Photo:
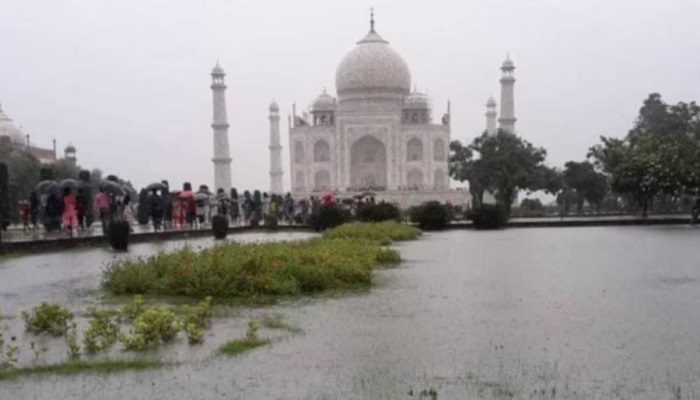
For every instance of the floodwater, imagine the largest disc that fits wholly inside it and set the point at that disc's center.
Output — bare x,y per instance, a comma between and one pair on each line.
560,313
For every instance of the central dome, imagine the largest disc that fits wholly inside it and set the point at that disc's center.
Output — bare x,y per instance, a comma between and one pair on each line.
372,67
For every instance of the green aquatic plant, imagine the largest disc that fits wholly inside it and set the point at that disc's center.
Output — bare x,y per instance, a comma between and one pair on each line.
72,367
249,271
383,233
103,331
50,318
154,326
250,341
8,352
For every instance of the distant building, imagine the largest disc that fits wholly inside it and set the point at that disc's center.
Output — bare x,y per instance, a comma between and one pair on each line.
20,138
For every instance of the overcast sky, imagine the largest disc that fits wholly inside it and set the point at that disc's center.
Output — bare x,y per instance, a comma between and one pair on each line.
127,82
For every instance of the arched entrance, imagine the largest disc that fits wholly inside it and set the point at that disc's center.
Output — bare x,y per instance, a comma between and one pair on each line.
368,166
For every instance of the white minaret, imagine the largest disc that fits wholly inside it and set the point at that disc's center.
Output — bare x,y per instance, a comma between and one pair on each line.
276,186
507,120
222,156
491,114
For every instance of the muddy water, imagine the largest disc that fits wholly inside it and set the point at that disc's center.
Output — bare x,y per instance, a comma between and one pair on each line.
575,313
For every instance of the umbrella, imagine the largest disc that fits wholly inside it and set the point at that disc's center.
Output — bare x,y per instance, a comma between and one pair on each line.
112,188
369,194
45,186
156,186
71,183
201,196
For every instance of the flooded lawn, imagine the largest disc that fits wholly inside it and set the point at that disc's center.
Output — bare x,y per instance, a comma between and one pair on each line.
561,313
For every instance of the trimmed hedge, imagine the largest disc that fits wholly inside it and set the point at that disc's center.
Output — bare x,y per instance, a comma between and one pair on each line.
219,225
328,216
379,212
430,216
119,231
489,216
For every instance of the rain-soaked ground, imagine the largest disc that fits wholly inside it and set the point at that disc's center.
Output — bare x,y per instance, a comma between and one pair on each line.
561,313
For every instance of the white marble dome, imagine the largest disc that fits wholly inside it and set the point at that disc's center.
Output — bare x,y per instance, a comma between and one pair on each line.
416,101
373,67
324,102
10,129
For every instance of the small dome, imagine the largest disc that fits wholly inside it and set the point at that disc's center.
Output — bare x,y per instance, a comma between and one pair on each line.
70,148
373,67
218,70
491,102
324,102
508,64
274,106
10,129
416,101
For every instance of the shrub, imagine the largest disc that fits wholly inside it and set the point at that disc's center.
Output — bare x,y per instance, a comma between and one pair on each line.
379,212
383,232
488,216
153,327
102,332
249,270
51,318
328,216
219,224
118,232
430,216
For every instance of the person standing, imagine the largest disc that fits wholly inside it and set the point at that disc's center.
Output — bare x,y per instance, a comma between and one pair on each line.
69,217
26,213
128,212
102,206
34,206
156,210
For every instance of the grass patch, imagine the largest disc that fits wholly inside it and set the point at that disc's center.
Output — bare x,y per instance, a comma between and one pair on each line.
383,233
234,270
80,367
238,346
276,322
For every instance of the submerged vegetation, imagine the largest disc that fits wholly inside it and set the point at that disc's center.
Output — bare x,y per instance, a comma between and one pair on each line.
383,233
105,366
339,260
251,341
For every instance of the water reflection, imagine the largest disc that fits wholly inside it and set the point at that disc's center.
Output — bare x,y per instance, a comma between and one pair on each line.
524,313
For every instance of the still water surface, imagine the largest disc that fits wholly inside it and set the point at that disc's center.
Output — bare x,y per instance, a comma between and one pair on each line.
561,313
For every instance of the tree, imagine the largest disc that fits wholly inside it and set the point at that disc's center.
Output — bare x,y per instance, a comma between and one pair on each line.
23,167
462,167
659,155
585,184
65,169
510,164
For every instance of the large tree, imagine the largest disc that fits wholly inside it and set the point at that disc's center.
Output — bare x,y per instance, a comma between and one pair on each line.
585,184
506,164
659,155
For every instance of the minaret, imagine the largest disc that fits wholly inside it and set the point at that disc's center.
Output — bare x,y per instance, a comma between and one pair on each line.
222,157
491,114
276,186
507,120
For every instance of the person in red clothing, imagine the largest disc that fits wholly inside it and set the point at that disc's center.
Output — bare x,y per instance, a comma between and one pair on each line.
70,218
26,212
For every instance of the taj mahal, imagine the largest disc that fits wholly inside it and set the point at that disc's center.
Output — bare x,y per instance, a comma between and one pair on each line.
377,135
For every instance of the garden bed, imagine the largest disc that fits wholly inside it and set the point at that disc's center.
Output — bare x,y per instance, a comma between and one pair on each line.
344,258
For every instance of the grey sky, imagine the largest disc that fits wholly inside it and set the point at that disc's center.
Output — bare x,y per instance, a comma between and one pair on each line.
128,81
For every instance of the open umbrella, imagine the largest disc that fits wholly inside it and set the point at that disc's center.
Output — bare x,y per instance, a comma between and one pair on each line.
45,186
71,183
112,187
201,196
156,186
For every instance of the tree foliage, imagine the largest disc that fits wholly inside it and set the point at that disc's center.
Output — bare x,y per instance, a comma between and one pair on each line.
506,164
659,155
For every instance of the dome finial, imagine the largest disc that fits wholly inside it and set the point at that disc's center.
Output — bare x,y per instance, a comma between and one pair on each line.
371,19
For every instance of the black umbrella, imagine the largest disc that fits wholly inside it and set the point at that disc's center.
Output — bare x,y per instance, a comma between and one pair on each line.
71,183
112,187
45,186
156,186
